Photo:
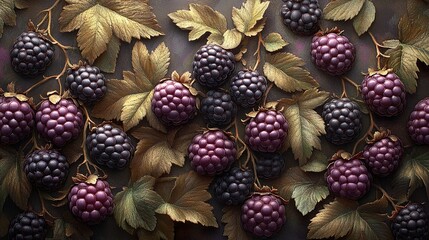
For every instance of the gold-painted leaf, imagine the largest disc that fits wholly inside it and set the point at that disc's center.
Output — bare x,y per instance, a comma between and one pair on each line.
363,21
274,42
7,12
107,61
342,9
392,43
73,151
233,227
317,163
231,39
164,229
247,17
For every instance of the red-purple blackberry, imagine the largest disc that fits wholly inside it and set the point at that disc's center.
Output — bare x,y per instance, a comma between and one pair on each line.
233,187
248,88
301,16
27,225
217,108
16,118
269,165
418,124
411,223
86,83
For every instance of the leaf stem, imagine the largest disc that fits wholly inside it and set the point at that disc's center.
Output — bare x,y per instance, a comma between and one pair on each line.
377,48
368,133
351,82
258,52
267,92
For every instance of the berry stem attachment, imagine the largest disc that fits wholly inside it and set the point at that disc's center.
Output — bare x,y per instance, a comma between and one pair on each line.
258,52
377,48
267,92
371,127
344,93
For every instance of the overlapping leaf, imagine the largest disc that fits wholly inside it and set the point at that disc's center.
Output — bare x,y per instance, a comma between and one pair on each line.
249,18
318,162
233,227
164,229
363,21
7,12
274,42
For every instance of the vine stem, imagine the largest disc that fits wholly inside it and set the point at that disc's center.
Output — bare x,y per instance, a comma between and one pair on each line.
42,205
258,52
368,133
388,197
267,92
351,82
377,48
344,93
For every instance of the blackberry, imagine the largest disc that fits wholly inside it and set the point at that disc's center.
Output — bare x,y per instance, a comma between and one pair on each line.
218,109
301,16
332,52
384,94
31,54
269,165
27,225
110,146
418,124
411,223
212,152
342,120
213,65
46,169
86,83
233,187
16,119
267,131
248,88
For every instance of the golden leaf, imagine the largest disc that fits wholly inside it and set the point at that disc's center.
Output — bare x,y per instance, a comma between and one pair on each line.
247,17
231,39
7,12
164,229
274,42
73,151
233,227
342,9
317,163
363,21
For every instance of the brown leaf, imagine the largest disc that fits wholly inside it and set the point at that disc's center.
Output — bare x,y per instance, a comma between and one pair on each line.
164,230
233,227
73,151
4,225
69,228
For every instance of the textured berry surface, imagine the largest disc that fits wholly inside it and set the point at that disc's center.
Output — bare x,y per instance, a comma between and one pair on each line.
332,53
91,203
342,120
269,165
217,108
348,178
16,120
27,225
411,223
212,152
110,146
267,131
233,187
59,123
383,156
31,54
418,124
248,88
263,215
86,83
173,104
384,95
47,169
301,16
213,65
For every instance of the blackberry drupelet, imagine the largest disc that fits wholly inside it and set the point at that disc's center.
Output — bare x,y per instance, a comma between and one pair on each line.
269,165
86,83
301,16
248,88
27,225
233,187
16,120
411,223
418,123
217,108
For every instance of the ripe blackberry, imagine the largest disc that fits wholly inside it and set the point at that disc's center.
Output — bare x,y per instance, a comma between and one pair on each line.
348,177
110,146
411,223
384,94
46,169
173,104
418,124
332,52
27,225
31,54
267,131
86,83
248,88
16,119
233,187
383,154
213,65
217,108
301,16
263,215
269,165
91,201
212,152
342,120
59,120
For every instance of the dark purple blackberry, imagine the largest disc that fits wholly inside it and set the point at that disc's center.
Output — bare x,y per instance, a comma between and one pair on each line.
332,52
348,177
263,214
110,146
212,152
269,165
217,108
383,154
46,169
267,131
86,83
301,16
384,94
213,65
342,120
31,54
411,223
248,88
16,120
233,187
27,225
173,104
418,124
91,202
59,120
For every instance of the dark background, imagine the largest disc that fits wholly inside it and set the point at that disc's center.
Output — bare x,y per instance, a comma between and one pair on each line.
384,27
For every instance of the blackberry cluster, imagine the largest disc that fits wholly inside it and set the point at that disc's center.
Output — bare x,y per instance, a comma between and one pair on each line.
47,169
411,223
342,120
28,225
233,187
110,146
248,88
16,120
213,65
86,83
218,109
301,16
418,124
31,54
269,165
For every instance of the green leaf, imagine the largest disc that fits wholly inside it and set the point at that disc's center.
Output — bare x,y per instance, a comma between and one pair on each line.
247,17
107,61
274,42
7,13
342,9
363,21
317,163
164,230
